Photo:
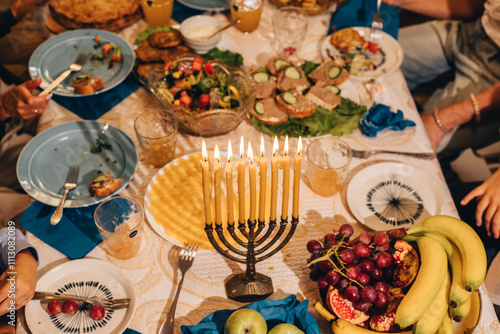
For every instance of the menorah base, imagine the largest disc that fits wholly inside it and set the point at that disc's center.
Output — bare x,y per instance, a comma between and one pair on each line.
243,289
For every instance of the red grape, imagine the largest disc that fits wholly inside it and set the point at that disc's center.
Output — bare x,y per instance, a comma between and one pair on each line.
70,307
381,300
97,312
381,239
362,250
368,294
332,277
328,237
54,307
361,306
322,284
364,278
313,246
331,243
353,272
342,284
352,293
346,230
347,255
384,260
366,265
377,273
365,238
325,266
383,248
381,286
315,275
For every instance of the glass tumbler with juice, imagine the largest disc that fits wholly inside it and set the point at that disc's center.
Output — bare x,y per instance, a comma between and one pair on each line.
157,12
248,11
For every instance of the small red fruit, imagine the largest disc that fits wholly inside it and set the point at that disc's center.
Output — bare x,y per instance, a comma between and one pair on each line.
70,307
54,307
97,312
343,308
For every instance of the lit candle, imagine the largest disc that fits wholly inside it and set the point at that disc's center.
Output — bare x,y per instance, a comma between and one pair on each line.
285,165
240,165
274,179
229,184
205,171
217,185
253,184
296,179
263,180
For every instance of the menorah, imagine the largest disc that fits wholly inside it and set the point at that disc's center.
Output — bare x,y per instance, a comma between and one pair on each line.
254,245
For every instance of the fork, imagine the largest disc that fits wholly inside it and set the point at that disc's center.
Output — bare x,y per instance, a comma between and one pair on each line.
377,25
107,303
368,153
75,67
70,183
187,255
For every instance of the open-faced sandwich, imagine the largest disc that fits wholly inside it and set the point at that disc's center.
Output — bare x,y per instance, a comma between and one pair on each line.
87,84
103,185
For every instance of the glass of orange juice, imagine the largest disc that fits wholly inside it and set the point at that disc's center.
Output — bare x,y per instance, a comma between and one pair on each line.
328,163
157,12
248,11
120,223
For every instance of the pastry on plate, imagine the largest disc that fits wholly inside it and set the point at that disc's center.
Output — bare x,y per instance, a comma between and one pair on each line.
103,185
87,84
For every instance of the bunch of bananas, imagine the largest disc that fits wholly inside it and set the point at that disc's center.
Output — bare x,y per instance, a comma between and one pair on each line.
437,296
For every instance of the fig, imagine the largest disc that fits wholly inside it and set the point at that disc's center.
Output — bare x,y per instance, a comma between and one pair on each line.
70,307
97,312
54,307
344,308
406,264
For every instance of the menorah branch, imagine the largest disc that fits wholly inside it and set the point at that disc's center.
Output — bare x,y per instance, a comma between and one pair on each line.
222,237
230,228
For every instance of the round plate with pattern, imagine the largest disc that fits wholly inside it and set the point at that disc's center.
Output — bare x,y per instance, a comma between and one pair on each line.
391,195
84,277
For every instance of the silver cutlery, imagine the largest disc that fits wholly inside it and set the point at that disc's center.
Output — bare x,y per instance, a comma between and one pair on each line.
70,183
75,67
368,153
230,24
377,25
186,260
107,303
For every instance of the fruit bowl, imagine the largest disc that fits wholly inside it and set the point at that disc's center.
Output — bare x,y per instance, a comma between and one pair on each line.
218,111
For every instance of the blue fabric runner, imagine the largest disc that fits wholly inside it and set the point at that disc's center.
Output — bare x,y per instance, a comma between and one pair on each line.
350,15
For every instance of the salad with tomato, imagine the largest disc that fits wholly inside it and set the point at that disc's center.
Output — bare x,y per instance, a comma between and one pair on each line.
197,87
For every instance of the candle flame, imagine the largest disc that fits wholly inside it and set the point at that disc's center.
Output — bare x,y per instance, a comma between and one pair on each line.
275,146
249,152
217,154
286,145
242,147
299,146
262,146
229,152
204,151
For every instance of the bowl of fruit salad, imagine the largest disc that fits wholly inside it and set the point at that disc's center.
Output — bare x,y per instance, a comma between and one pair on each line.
208,98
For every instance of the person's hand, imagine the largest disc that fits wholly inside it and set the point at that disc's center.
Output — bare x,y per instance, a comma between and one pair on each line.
20,101
25,277
488,206
433,131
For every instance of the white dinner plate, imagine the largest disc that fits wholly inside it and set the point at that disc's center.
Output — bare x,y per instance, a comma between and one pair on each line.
388,58
390,195
84,277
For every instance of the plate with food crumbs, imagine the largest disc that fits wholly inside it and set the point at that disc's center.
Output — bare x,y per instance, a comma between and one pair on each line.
111,60
174,203
82,278
99,149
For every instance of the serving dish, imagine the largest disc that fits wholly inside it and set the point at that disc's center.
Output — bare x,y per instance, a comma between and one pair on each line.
195,29
43,164
212,122
208,5
390,195
84,277
55,55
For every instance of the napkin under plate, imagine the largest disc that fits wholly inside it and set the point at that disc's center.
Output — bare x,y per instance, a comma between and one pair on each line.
380,117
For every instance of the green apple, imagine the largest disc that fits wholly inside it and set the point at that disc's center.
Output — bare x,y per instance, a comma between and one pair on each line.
285,329
245,321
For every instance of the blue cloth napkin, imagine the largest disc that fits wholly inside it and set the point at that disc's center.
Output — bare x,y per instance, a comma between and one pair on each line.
380,117
94,106
351,15
288,310
130,331
75,235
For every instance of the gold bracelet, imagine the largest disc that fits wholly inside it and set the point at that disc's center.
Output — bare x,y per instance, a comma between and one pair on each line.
475,104
439,123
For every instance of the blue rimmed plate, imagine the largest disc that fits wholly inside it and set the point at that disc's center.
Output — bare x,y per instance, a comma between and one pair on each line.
56,54
84,277
43,164
215,5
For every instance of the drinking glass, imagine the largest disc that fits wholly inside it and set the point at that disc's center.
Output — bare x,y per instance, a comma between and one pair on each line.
157,134
290,28
120,223
157,12
248,11
328,162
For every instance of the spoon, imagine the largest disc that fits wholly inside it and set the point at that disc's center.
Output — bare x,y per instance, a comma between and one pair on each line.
232,23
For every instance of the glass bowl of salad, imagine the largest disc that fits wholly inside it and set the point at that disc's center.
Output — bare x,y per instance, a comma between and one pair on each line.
208,98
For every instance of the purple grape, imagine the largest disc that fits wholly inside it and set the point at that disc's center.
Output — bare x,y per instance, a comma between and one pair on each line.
353,272
346,230
362,250
368,294
383,248
381,286
313,246
328,237
361,306
377,273
366,265
332,277
365,238
342,284
381,239
352,293
322,284
331,243
384,260
347,255
325,266
381,300
364,278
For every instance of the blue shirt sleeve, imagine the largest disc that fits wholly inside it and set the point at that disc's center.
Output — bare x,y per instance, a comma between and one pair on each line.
12,241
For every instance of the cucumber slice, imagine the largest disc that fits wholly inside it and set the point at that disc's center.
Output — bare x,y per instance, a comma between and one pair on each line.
259,107
280,63
292,73
334,72
289,98
332,88
260,77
